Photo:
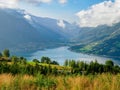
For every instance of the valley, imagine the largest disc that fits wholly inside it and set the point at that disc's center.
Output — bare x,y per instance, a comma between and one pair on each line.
59,44
28,33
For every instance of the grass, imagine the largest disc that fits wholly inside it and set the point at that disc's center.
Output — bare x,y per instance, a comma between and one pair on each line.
88,47
40,82
53,66
18,82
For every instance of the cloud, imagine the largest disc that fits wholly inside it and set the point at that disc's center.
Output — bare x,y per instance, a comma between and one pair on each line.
14,3
44,1
37,1
107,12
61,23
62,1
8,3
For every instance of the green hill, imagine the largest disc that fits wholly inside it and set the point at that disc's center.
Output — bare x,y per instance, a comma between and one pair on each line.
102,40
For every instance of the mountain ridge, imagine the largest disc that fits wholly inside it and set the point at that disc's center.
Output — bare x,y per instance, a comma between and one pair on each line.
17,33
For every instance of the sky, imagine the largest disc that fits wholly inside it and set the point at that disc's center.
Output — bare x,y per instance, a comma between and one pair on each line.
66,9
86,13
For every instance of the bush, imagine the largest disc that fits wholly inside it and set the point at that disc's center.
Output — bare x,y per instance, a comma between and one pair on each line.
46,82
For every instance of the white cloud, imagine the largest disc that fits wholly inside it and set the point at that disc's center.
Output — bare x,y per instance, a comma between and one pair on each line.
107,12
28,17
45,1
61,23
8,3
62,1
37,1
13,3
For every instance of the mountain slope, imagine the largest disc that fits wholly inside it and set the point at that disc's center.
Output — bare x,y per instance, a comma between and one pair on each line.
17,33
68,31
91,34
110,47
104,41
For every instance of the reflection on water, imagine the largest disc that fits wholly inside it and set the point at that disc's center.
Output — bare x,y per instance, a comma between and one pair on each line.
62,53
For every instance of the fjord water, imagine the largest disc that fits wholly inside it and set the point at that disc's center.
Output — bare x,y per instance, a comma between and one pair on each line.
62,53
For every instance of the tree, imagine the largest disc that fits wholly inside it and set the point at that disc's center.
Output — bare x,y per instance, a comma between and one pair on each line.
54,71
45,60
0,54
109,63
14,59
72,63
66,63
36,61
109,66
6,53
23,60
81,65
54,63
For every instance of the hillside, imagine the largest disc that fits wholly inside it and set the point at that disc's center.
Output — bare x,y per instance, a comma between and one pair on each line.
68,31
17,34
17,73
102,40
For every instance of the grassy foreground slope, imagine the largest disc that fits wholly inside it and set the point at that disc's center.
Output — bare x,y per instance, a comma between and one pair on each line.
16,73
91,82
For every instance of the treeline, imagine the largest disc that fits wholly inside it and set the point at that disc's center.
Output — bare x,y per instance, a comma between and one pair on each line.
92,67
20,65
46,60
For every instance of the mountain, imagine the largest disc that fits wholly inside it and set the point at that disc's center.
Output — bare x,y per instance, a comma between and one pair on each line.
92,34
17,33
102,40
68,31
21,31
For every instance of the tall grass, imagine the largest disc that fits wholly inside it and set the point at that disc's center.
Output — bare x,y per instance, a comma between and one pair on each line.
40,82
18,82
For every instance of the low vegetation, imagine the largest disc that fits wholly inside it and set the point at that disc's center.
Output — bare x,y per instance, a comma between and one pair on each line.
40,82
16,73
